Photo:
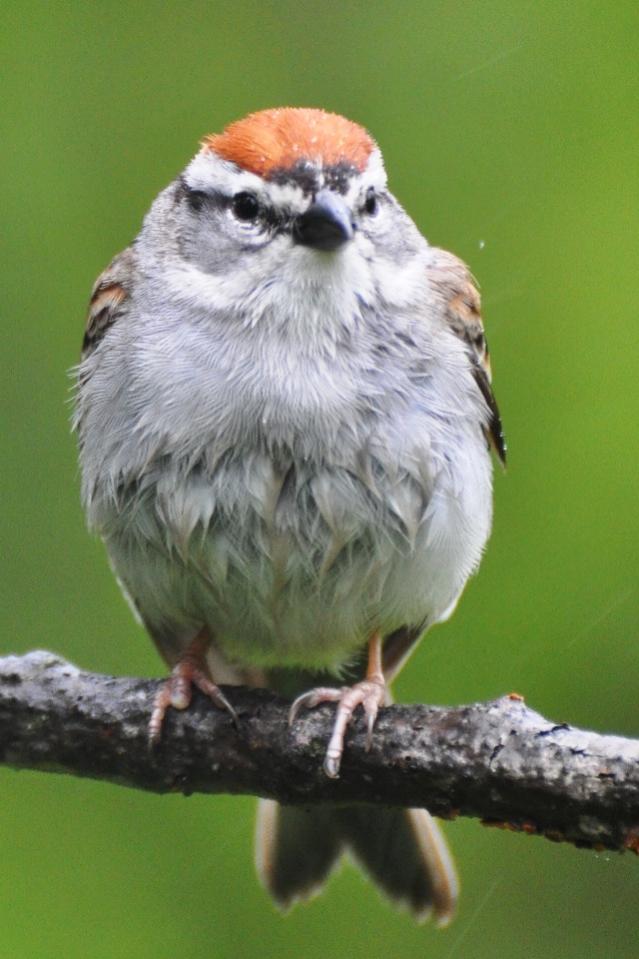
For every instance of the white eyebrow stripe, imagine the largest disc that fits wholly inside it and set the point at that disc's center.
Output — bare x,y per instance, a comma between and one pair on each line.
207,169
374,170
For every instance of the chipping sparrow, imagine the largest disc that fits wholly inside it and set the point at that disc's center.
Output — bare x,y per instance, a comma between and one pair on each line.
284,412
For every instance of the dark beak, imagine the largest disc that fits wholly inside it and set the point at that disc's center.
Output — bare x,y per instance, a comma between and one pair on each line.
326,225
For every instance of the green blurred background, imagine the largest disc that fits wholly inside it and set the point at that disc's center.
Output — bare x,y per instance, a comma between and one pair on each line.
510,133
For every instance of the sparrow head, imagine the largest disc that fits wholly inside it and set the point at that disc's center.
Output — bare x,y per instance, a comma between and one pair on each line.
285,185
320,157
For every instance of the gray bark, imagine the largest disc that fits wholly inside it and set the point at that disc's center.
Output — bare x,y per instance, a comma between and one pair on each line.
498,761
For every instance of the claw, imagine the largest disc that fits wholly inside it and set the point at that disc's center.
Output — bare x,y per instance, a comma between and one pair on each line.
311,699
370,694
332,764
370,708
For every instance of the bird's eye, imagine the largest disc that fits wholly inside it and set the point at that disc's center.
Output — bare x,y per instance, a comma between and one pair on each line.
195,199
245,206
370,203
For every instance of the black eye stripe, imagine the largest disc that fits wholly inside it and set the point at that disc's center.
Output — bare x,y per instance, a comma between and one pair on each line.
195,199
247,207
211,200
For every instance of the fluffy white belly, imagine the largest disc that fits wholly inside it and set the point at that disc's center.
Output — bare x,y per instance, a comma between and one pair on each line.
297,566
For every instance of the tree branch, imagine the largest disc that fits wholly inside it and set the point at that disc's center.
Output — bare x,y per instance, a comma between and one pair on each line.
499,761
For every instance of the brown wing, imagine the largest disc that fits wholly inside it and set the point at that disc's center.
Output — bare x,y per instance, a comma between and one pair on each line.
108,299
459,301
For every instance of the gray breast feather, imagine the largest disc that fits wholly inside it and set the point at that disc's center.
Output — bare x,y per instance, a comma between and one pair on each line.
294,566
294,498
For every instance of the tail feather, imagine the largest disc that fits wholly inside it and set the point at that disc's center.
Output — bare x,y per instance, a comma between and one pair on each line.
296,849
405,854
402,850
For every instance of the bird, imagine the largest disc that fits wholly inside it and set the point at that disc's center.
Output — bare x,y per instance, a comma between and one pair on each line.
285,424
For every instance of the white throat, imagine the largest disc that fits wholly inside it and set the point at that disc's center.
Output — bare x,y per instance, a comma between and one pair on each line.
307,297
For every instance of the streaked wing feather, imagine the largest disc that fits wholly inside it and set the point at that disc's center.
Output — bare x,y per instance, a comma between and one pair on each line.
459,301
108,299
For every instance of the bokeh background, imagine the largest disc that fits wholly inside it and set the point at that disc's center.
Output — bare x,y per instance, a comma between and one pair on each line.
510,133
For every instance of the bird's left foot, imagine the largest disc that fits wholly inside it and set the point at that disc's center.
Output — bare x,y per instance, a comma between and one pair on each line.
370,694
